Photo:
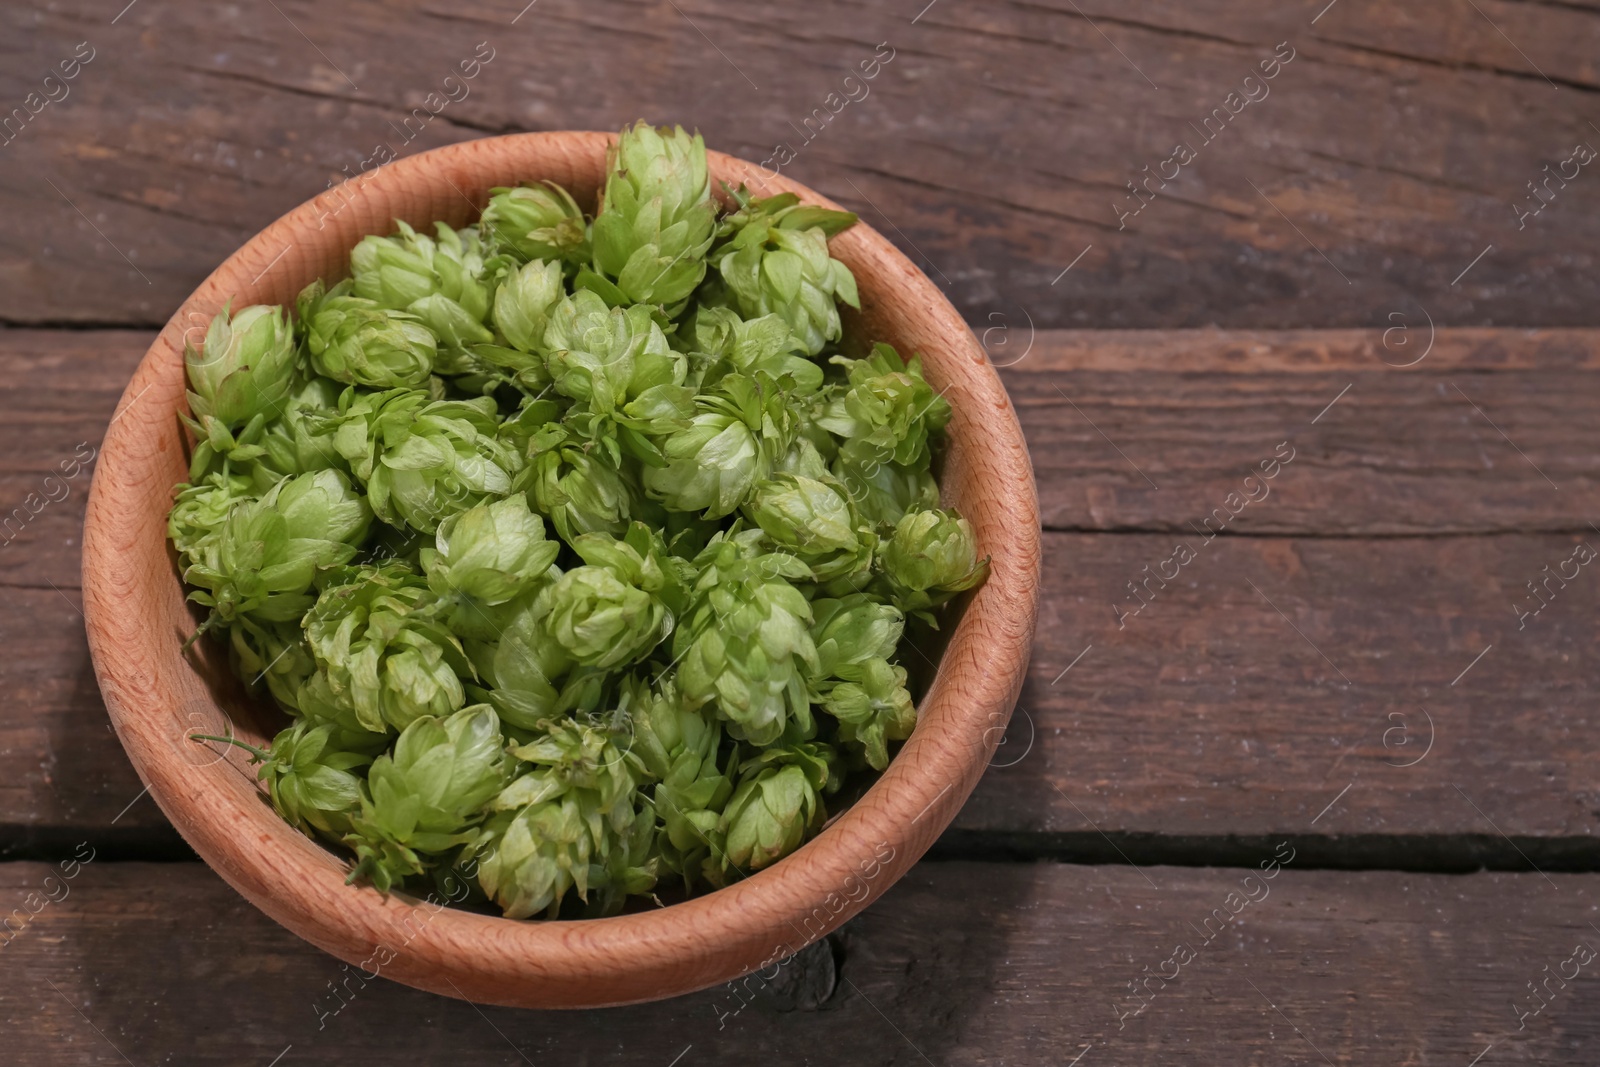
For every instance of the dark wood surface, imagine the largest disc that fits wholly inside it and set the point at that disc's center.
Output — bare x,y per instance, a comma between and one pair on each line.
961,963
996,144
1285,687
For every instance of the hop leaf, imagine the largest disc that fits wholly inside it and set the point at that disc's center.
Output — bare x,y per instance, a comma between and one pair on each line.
656,217
773,259
354,339
425,797
536,222
384,649
243,369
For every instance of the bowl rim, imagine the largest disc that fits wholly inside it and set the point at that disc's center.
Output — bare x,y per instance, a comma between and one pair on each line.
154,695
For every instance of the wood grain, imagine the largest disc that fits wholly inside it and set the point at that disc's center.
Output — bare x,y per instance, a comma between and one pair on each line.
980,964
1490,431
995,147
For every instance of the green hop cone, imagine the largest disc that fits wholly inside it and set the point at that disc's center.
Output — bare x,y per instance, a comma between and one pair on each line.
629,866
356,340
536,222
886,414
527,669
384,650
614,609
883,492
272,653
490,553
678,745
445,281
309,778
244,368
421,459
579,490
199,512
746,644
874,710
729,447
528,859
776,804
299,441
605,357
426,797
572,806
773,259
524,302
852,631
271,550
813,520
656,217
931,557
745,347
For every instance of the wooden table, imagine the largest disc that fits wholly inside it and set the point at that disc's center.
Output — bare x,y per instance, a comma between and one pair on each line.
1347,688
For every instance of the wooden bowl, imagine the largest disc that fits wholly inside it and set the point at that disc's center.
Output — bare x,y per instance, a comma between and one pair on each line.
157,695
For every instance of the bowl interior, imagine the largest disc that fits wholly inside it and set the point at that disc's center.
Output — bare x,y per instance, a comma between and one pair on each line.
138,620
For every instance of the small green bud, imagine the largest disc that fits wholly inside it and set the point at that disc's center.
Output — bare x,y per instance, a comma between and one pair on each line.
536,222
352,339
874,710
425,797
933,551
657,218
524,302
774,259
309,779
244,367
491,553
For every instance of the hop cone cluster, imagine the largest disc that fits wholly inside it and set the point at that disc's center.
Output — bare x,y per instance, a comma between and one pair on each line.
581,558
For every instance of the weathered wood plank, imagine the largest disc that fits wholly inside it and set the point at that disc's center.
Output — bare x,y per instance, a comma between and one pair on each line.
1209,713
997,144
958,964
1488,431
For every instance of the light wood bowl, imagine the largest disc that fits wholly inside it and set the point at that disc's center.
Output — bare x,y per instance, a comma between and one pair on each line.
157,695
